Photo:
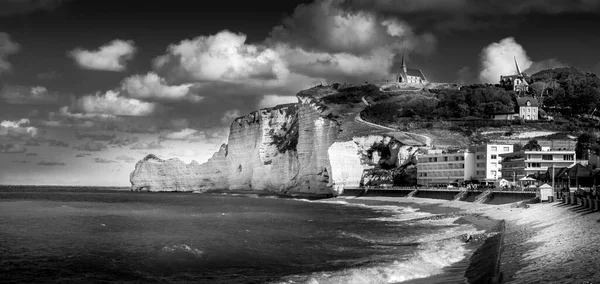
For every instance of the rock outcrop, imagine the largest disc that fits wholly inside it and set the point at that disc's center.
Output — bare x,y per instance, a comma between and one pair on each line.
304,148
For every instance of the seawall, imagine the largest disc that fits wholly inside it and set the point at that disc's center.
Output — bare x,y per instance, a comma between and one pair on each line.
496,197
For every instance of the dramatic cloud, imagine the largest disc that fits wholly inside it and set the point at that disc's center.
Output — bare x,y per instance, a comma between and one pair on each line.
109,57
498,59
103,161
121,141
27,95
112,103
274,100
221,57
154,145
17,7
46,163
151,86
91,146
7,47
17,128
544,64
230,115
12,149
325,26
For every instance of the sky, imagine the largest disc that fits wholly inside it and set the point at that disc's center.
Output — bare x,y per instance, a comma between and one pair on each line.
89,87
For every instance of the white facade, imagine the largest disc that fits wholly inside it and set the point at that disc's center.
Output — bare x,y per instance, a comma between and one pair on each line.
523,163
480,163
488,161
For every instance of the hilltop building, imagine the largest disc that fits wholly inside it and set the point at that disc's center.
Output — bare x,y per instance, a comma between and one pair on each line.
517,82
528,108
410,75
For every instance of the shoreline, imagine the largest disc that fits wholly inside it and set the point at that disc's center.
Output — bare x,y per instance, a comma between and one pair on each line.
545,243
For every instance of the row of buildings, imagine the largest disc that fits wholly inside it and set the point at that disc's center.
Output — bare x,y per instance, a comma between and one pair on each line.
487,164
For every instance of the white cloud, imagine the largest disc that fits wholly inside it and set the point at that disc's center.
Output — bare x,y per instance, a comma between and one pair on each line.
498,59
183,134
7,47
274,100
20,127
112,103
151,86
224,57
328,26
109,57
230,115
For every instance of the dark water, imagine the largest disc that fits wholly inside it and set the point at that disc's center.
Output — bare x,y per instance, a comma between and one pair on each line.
88,236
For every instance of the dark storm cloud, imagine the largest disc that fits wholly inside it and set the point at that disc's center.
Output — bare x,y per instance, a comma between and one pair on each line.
18,7
47,163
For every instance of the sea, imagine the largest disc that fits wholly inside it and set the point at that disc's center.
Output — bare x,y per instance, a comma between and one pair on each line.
89,235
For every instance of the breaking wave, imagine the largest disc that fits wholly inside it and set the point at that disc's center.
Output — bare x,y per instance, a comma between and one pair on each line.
428,260
182,250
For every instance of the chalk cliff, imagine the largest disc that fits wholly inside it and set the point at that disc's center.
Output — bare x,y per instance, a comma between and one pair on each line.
309,148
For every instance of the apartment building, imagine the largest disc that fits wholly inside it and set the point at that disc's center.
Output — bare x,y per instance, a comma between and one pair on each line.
523,163
488,161
443,167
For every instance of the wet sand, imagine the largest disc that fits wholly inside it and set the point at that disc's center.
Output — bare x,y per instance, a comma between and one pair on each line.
545,243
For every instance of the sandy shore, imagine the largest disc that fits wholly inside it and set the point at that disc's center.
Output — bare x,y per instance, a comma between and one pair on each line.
545,243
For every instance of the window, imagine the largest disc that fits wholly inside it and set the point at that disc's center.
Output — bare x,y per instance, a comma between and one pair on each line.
568,157
462,166
494,164
547,157
493,157
528,103
445,159
494,173
506,149
494,148
435,159
534,165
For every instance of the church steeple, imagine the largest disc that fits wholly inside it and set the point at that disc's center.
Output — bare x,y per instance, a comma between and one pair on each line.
403,64
518,69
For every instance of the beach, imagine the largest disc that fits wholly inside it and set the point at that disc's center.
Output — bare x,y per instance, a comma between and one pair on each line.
544,243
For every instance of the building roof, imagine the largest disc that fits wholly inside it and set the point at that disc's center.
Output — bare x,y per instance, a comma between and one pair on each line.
415,73
523,101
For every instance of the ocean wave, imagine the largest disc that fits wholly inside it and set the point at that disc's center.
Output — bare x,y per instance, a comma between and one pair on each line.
429,259
182,249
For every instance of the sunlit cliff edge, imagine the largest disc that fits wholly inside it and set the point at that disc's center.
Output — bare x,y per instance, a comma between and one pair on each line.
313,147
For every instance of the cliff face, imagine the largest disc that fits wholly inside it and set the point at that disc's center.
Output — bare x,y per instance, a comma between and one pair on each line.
289,149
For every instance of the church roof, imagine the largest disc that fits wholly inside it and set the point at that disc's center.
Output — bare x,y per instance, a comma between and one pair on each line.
415,73
523,101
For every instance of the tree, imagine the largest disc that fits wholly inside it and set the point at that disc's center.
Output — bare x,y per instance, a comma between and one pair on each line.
532,145
517,147
586,142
